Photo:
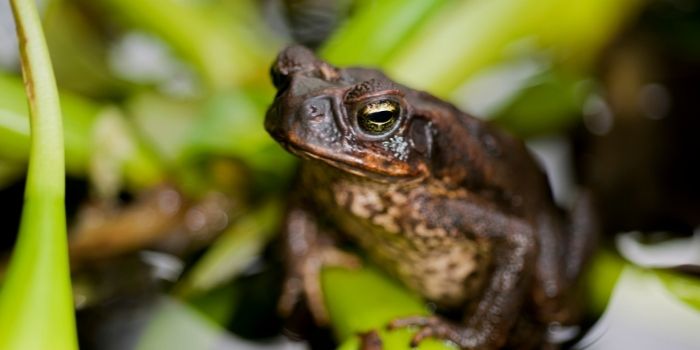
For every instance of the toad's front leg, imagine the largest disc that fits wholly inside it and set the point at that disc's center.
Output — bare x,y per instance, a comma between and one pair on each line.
497,309
307,251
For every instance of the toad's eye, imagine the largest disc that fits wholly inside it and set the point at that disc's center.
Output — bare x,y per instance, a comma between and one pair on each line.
378,117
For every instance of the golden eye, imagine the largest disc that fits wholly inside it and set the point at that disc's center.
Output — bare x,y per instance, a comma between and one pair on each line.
378,117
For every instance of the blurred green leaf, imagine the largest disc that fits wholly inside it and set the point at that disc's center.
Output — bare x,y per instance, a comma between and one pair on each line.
232,251
553,101
685,288
79,52
622,326
231,125
217,303
439,46
10,172
465,37
14,136
36,305
600,279
118,159
376,29
223,50
79,115
175,326
226,124
82,120
164,123
603,275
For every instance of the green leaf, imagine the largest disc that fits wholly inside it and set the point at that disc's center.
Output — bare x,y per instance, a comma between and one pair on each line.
10,172
553,101
464,37
377,29
88,134
79,115
216,39
231,125
232,251
365,299
601,278
176,326
685,288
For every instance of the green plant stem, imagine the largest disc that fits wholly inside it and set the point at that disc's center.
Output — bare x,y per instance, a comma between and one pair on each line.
36,307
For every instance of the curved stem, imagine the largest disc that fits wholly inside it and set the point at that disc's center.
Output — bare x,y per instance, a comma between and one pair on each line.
36,308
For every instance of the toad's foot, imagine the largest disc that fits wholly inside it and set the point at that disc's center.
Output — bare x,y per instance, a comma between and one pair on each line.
305,280
370,340
438,328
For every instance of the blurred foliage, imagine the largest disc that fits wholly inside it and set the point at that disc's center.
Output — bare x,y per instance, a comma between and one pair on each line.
223,40
178,326
158,90
601,279
81,136
14,125
232,252
229,45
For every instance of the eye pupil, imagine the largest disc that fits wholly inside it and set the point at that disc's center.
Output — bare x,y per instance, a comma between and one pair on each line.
378,117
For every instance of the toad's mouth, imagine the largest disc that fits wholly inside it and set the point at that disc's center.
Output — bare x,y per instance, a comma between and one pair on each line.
352,165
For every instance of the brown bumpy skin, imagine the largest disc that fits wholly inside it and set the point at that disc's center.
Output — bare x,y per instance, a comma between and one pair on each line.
454,208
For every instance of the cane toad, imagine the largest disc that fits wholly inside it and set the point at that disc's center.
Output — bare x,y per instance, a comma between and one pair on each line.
453,207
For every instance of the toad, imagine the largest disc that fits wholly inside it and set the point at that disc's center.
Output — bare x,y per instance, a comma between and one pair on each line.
453,207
